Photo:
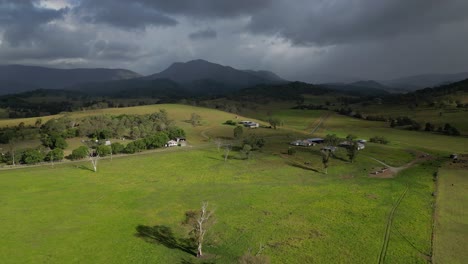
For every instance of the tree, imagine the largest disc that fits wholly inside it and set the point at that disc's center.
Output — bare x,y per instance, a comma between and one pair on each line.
326,153
32,156
352,151
55,155
175,132
247,150
238,132
275,122
38,122
429,127
351,137
199,223
332,140
195,119
218,142
156,140
53,141
94,158
227,149
12,149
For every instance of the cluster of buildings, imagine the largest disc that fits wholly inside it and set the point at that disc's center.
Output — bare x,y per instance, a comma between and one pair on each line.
307,142
250,124
314,141
177,142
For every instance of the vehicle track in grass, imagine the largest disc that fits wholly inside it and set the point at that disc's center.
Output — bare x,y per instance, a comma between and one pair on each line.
383,251
322,119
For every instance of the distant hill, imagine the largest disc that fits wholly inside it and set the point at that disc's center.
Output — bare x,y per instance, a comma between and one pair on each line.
292,91
20,78
133,88
360,88
196,72
416,82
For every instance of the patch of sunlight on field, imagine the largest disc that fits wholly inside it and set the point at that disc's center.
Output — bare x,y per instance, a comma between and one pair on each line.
451,223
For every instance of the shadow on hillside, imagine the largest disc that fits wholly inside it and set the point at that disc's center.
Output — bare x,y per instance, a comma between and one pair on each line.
163,235
83,167
301,166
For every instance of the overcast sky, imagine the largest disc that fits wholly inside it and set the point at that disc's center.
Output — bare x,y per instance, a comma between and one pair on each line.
297,39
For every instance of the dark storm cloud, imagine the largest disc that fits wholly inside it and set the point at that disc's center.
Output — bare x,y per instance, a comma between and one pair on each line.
21,19
297,39
344,21
115,50
48,43
124,14
139,14
203,34
209,8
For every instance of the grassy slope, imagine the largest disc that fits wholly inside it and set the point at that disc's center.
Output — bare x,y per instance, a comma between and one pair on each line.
301,215
456,117
451,217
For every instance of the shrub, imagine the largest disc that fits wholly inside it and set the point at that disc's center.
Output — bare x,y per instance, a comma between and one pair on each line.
292,151
32,156
175,132
79,153
238,131
130,148
117,148
230,122
379,140
156,141
103,150
55,155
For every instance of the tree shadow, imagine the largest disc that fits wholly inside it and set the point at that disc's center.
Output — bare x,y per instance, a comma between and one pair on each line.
163,235
83,167
301,166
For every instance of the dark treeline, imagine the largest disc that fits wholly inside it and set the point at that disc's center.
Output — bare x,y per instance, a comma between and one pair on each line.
403,122
148,132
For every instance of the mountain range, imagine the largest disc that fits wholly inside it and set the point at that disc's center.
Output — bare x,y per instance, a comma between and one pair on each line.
192,78
197,76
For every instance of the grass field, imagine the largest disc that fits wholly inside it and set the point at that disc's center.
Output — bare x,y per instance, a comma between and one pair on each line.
69,214
451,225
438,117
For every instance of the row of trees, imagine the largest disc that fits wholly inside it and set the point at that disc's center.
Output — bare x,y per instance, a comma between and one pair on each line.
149,131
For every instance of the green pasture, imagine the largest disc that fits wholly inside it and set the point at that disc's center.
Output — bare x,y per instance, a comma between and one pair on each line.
68,214
451,218
438,117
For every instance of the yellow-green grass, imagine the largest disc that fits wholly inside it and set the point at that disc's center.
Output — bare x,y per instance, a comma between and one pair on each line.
343,125
455,116
451,217
211,119
68,214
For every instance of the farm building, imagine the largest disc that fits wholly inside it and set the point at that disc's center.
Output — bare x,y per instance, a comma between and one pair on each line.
250,124
171,143
315,140
346,144
304,143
